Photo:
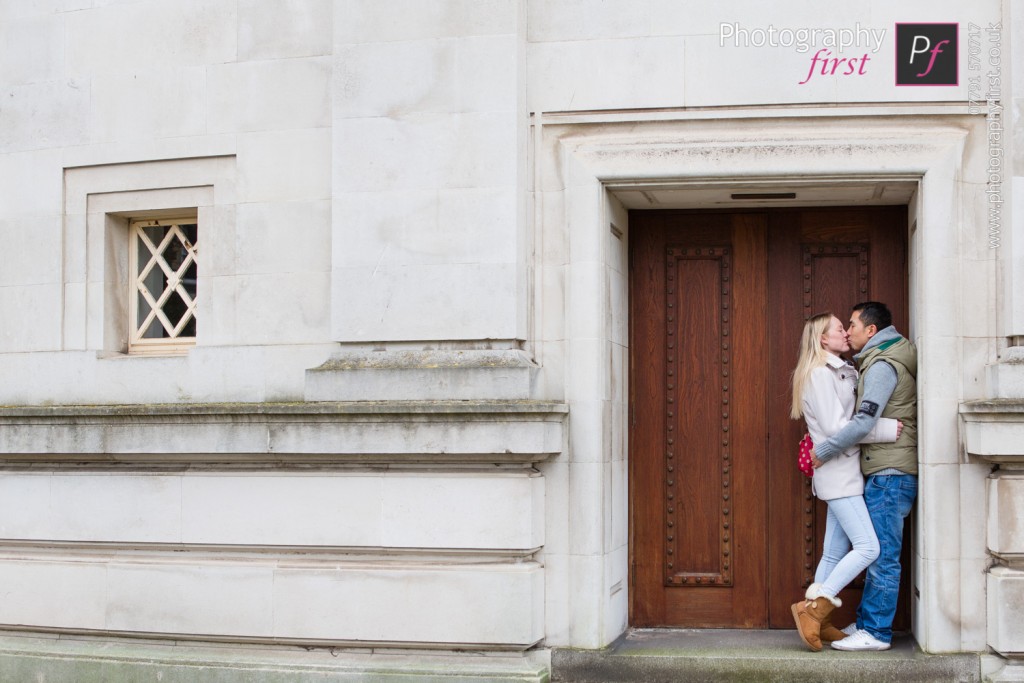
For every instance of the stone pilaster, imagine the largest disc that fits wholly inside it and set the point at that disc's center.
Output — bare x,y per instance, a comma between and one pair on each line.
993,430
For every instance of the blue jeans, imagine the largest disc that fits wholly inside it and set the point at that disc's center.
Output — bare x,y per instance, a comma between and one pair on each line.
850,544
889,498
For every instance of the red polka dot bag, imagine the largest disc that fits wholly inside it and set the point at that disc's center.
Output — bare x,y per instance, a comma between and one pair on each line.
804,458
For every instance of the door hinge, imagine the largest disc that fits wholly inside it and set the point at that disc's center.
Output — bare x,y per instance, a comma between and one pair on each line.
632,573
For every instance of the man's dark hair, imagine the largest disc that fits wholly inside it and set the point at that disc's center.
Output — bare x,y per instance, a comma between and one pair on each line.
874,313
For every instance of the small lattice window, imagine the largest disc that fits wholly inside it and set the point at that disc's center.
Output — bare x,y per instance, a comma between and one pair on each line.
164,262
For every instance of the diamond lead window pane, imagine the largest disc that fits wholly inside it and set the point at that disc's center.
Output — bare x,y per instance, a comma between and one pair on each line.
165,288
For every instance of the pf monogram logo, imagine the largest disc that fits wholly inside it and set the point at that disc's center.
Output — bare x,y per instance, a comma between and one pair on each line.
927,54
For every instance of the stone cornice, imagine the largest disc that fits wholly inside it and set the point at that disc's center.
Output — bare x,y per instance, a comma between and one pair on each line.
325,432
994,407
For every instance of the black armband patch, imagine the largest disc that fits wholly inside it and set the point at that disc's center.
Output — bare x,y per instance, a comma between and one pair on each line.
869,408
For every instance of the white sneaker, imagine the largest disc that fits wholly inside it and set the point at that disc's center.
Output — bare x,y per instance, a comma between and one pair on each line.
858,642
850,628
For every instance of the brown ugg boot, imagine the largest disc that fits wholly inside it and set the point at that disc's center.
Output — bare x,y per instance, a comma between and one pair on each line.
828,632
810,613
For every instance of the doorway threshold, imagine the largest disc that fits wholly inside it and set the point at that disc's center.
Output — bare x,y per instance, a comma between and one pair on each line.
713,655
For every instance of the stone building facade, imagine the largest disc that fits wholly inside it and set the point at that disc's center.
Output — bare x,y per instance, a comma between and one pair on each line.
319,318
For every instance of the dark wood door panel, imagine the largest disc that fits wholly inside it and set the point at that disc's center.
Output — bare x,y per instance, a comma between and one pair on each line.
698,492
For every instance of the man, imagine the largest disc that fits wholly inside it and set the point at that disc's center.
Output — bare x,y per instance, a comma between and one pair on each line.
887,388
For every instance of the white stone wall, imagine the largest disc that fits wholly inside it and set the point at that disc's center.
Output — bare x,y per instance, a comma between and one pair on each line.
400,185
317,154
428,159
276,555
360,509
106,97
590,55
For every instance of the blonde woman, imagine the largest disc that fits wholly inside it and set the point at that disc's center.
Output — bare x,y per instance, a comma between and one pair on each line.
824,394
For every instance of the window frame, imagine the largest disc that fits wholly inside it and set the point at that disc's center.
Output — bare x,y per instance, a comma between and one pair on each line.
138,344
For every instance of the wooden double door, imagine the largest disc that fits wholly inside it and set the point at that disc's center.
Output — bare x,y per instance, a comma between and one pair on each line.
724,529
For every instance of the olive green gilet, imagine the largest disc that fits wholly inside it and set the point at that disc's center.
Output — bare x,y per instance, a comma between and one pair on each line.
902,405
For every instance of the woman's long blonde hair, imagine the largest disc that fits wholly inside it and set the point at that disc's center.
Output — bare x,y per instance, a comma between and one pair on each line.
812,355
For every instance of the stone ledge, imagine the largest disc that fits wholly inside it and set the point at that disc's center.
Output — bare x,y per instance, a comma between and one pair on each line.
91,660
324,432
283,409
993,430
423,375
994,406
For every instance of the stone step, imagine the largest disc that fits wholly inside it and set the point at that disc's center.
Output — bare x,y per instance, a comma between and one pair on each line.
714,655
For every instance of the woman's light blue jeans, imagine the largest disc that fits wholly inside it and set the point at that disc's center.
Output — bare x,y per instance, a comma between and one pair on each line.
850,544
